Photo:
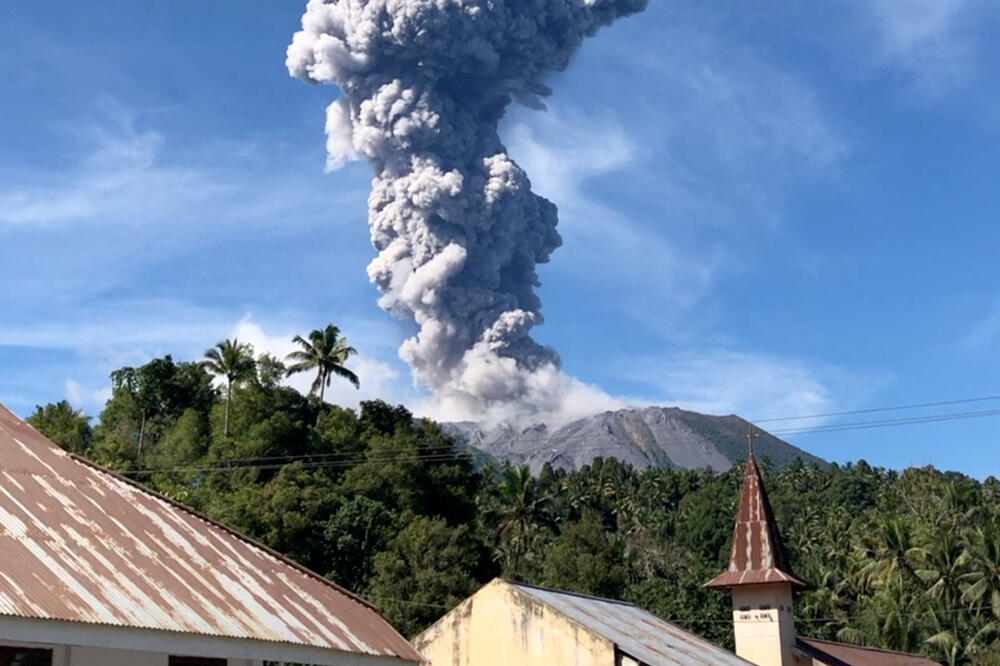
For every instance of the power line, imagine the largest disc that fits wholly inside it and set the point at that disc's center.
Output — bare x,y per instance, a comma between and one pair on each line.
444,446
861,425
438,457
446,451
804,620
917,405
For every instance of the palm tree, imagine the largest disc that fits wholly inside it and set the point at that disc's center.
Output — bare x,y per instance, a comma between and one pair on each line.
522,507
889,556
325,352
232,360
982,589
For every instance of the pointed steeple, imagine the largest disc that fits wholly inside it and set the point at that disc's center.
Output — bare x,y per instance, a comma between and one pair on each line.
758,554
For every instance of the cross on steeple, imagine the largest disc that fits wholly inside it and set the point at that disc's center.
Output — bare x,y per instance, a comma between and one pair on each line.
757,555
751,435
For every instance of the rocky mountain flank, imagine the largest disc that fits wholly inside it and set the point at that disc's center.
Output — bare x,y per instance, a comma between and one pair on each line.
645,437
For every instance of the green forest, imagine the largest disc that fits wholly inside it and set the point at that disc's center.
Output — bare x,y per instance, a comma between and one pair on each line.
394,509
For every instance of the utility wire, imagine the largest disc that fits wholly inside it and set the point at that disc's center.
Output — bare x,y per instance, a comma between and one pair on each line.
446,451
861,425
918,405
349,455
798,619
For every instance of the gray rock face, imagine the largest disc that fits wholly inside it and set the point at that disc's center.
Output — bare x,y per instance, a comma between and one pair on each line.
646,437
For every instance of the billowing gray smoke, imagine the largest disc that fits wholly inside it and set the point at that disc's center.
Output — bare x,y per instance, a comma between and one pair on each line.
456,225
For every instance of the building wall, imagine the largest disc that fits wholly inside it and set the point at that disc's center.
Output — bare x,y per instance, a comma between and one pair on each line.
625,660
764,624
75,655
90,656
155,646
499,626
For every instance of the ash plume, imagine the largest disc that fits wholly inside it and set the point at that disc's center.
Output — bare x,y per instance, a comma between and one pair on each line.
457,228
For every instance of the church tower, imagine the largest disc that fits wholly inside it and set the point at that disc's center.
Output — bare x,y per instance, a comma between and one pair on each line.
759,578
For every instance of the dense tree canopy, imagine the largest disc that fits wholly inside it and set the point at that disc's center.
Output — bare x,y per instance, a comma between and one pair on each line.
391,507
64,425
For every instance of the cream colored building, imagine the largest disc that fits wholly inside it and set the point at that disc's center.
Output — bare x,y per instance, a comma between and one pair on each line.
513,624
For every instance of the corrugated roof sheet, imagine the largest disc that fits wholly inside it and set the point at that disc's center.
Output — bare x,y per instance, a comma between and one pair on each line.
842,654
638,633
757,554
79,543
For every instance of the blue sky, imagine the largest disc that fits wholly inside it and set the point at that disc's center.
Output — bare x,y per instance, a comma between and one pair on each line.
774,211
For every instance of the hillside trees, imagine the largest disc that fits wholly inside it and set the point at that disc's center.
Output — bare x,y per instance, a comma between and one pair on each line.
145,402
519,507
64,425
391,507
426,569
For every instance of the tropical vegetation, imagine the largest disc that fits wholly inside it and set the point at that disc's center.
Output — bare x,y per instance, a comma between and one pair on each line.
326,353
232,360
392,507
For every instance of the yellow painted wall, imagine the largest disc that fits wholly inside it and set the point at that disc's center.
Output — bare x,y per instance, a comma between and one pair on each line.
500,626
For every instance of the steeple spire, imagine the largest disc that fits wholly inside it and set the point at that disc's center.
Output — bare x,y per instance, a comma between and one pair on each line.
757,555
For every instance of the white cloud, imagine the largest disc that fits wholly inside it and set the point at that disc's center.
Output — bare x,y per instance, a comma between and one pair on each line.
379,380
753,385
935,42
679,168
564,155
134,332
742,115
119,178
985,333
560,151
91,400
125,331
112,173
719,111
551,397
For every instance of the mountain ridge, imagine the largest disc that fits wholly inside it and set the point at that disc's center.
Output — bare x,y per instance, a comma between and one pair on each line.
642,437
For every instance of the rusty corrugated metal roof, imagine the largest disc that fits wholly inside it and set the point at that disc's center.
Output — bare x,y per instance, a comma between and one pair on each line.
635,632
757,554
79,543
842,654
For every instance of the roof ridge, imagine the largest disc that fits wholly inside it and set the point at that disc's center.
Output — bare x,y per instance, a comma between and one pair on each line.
588,622
860,647
570,593
189,561
183,507
225,528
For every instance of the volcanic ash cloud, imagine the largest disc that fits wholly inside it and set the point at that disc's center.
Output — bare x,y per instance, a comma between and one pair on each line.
456,225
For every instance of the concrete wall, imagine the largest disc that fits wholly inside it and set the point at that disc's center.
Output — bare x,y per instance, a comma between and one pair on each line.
499,626
764,624
90,656
76,655
153,644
